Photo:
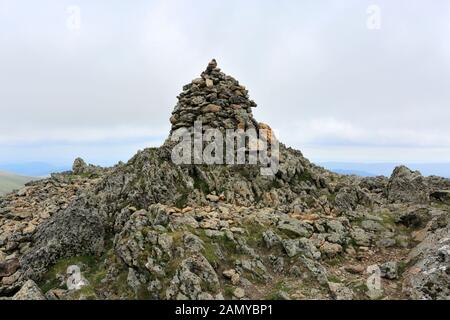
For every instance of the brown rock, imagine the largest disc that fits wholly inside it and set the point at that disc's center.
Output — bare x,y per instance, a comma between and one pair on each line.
8,267
209,83
7,281
173,119
211,108
355,269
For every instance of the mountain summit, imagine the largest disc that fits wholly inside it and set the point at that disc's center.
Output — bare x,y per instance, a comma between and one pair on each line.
154,229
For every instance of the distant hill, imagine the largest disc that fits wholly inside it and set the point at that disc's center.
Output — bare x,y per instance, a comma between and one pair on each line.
355,172
385,169
10,182
33,169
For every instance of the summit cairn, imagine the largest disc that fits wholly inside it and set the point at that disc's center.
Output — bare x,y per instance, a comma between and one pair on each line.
215,99
217,106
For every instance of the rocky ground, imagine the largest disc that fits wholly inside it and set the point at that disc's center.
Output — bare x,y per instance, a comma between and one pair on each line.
150,229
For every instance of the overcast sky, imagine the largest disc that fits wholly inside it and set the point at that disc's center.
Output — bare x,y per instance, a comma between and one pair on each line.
339,80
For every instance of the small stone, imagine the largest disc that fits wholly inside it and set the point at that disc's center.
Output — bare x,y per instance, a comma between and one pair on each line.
23,192
7,281
331,249
389,270
355,269
198,100
211,108
282,295
212,198
370,225
198,81
187,209
21,214
211,65
239,293
209,83
340,292
8,267
29,229
350,251
232,275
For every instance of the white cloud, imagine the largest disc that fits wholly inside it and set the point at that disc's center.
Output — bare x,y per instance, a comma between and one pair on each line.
319,76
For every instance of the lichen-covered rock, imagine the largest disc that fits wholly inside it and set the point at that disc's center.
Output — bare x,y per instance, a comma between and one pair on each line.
29,291
429,277
194,277
406,185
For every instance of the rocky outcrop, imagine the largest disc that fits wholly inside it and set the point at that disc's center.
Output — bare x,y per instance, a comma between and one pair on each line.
29,291
429,276
80,167
407,186
75,231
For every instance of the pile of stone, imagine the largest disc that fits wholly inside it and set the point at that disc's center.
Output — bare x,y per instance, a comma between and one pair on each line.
215,99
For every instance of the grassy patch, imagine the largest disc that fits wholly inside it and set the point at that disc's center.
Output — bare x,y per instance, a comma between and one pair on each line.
181,201
50,279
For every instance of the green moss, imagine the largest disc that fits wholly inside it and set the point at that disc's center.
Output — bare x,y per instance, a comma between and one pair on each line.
360,289
210,253
87,293
303,177
255,234
120,285
201,185
275,184
278,288
181,201
228,291
333,278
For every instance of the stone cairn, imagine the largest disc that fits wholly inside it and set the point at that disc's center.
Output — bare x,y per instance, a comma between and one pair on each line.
218,101
215,99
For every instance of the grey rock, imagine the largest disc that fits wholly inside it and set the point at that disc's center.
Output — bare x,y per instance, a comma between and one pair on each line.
295,227
271,239
340,291
429,277
370,225
194,277
406,185
9,267
389,270
29,291
361,237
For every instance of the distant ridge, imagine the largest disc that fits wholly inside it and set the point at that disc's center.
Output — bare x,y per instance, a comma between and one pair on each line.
33,169
385,168
10,182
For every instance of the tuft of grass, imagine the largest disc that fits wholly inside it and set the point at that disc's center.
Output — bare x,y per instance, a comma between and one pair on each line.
181,201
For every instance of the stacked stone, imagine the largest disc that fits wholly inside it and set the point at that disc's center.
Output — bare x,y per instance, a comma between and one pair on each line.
215,99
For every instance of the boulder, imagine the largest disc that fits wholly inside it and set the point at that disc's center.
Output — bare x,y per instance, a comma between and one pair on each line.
406,185
9,267
29,291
